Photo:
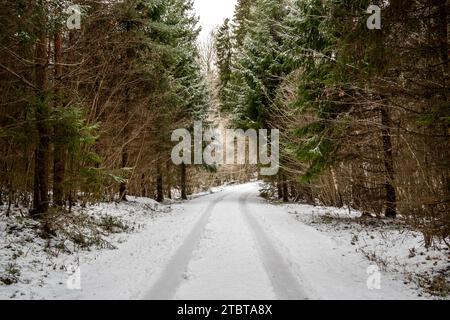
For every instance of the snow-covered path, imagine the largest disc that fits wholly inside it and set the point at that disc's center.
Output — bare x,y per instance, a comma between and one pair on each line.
244,248
171,277
228,245
235,259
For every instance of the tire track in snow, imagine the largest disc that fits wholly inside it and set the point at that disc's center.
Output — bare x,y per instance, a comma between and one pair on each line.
283,281
172,276
227,264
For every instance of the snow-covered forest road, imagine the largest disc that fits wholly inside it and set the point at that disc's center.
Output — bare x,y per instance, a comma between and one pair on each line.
227,255
228,245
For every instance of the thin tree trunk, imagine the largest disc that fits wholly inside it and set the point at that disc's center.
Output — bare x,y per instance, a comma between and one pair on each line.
143,187
183,181
285,189
41,170
10,201
59,153
123,185
169,181
337,191
125,152
391,195
444,6
159,182
279,187
126,119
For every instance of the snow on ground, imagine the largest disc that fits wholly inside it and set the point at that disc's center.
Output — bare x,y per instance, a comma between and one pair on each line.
301,261
394,247
117,272
230,244
326,268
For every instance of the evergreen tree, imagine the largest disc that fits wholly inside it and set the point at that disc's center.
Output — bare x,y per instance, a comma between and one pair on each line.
224,53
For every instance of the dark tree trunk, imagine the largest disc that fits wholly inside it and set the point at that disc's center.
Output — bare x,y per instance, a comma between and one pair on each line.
126,129
143,186
285,189
444,39
41,170
169,181
10,201
123,185
59,153
125,154
126,136
391,195
183,181
280,187
159,182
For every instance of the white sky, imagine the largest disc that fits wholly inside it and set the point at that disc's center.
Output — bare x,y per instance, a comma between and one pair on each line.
212,13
